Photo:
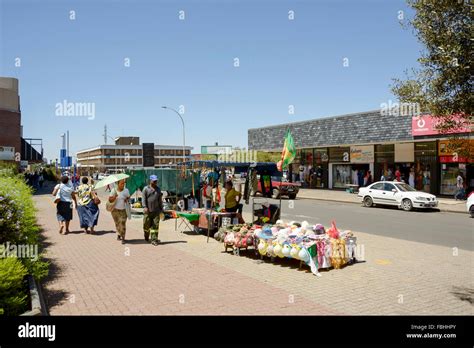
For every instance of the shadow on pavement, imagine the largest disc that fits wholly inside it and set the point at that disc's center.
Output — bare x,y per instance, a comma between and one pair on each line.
172,242
464,294
52,297
416,210
101,233
47,189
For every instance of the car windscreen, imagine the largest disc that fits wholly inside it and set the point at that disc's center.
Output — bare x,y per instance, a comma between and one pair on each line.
405,187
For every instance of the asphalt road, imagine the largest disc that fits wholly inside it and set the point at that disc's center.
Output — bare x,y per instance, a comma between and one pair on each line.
431,227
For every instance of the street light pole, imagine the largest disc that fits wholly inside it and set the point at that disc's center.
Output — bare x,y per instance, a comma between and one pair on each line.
184,134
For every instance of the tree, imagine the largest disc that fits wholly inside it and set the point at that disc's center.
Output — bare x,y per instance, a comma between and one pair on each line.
442,85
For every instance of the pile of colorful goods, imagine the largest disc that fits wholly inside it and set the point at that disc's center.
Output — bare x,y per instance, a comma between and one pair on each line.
316,246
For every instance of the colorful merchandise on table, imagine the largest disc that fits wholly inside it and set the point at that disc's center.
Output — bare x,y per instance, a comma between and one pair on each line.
314,245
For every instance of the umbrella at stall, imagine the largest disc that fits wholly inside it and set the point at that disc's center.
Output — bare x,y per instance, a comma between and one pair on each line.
110,180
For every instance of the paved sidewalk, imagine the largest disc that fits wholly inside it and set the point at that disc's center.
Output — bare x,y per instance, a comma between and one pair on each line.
445,204
95,274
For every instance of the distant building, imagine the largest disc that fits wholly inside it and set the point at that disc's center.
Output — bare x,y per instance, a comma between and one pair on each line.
13,147
127,153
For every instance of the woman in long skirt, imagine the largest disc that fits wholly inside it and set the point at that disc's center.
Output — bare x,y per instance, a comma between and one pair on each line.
65,195
87,206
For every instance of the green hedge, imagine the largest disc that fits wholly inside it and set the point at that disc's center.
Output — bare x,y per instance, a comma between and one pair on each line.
13,295
17,227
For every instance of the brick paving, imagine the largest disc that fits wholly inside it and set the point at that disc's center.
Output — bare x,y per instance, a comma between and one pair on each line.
95,274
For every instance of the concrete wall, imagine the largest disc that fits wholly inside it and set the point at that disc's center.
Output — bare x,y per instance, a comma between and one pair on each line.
9,98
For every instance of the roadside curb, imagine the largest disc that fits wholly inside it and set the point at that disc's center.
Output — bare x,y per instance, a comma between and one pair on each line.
445,210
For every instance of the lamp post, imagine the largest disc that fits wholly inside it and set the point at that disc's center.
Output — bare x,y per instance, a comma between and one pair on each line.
184,134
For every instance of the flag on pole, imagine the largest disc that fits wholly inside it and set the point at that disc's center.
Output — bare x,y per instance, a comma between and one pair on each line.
289,152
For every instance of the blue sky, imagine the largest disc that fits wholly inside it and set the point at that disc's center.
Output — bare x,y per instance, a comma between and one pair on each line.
191,62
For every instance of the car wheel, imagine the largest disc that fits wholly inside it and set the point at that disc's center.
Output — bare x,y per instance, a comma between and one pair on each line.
292,196
368,202
276,193
407,205
471,211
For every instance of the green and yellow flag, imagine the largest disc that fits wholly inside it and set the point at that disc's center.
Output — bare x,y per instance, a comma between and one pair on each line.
289,152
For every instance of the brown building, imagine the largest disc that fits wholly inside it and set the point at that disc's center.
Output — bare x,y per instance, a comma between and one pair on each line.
122,155
10,119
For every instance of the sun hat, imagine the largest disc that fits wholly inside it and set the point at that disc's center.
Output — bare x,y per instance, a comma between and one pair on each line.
294,252
266,233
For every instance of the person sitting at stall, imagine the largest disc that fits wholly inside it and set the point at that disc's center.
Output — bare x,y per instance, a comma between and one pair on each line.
232,204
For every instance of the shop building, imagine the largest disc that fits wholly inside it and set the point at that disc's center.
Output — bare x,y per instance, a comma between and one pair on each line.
127,152
334,152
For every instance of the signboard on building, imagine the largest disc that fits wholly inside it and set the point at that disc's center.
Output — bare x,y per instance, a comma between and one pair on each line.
148,154
7,153
216,150
362,154
426,125
339,154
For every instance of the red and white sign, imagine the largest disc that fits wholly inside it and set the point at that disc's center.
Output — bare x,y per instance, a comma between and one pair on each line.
426,125
453,159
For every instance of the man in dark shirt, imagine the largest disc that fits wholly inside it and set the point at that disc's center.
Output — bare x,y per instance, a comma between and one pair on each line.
152,200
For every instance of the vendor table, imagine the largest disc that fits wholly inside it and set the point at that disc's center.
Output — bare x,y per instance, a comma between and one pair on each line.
190,220
212,220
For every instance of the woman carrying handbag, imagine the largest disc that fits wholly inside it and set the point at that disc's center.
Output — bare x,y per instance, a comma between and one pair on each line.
116,204
87,206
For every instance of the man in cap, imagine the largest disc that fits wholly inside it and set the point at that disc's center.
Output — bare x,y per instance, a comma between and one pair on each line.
152,200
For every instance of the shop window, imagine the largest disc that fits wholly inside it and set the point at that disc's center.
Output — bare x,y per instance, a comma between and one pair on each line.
341,174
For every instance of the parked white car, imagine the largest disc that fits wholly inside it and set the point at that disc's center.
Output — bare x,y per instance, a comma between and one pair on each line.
470,204
396,193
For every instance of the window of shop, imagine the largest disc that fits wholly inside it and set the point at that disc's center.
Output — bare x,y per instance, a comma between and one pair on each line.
306,167
449,173
424,171
340,167
319,176
384,161
341,175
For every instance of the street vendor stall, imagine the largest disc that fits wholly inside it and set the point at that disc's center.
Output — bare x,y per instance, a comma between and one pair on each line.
213,215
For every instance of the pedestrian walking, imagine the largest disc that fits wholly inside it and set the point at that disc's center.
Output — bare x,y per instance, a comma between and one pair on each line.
459,187
119,196
87,206
152,200
41,180
65,197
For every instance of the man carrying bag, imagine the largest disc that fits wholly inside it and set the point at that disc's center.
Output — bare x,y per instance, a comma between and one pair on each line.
152,200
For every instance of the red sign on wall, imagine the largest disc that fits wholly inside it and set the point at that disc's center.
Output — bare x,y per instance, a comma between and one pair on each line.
426,125
453,159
